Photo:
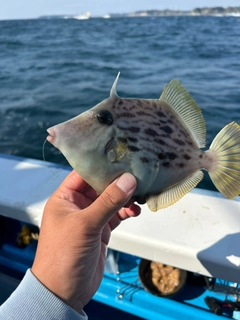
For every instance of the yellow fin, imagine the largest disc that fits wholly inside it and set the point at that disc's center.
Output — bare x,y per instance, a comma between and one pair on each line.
173,194
121,148
225,170
185,107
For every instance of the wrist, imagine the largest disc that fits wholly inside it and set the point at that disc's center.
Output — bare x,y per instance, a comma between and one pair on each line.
59,286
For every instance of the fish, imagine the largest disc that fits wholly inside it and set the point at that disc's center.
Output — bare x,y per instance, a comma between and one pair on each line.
159,141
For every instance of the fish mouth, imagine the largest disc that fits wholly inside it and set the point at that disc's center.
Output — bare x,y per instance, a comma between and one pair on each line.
51,135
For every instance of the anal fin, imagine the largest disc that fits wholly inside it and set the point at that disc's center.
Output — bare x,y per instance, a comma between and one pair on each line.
175,193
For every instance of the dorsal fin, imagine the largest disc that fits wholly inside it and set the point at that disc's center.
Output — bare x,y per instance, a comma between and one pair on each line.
183,105
113,92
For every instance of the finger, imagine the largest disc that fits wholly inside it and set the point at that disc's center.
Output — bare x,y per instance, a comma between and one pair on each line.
115,196
133,211
90,193
74,182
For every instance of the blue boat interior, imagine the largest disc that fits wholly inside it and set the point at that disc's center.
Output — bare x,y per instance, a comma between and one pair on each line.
121,294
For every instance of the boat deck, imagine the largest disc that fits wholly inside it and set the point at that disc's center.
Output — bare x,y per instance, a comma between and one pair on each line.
200,233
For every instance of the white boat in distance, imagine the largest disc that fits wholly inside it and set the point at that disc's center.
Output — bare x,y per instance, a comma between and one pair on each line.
106,16
83,16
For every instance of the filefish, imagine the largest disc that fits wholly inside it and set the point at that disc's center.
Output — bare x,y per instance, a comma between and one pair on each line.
159,141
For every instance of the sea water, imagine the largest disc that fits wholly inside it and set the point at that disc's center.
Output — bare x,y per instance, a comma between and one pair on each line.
54,69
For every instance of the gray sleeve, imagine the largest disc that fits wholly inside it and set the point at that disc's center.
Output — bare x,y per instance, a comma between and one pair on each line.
32,300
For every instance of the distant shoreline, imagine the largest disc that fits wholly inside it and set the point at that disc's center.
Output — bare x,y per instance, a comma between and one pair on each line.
214,11
217,11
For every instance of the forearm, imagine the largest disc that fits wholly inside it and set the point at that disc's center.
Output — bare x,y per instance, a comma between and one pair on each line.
32,300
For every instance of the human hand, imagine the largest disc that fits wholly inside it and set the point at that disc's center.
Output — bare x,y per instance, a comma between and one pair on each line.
75,231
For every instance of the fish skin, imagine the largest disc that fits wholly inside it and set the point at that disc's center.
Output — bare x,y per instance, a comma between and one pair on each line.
158,141
146,138
152,150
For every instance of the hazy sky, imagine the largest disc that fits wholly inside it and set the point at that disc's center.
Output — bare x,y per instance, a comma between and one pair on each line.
18,9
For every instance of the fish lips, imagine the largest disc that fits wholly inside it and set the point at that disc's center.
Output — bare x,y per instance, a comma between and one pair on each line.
51,135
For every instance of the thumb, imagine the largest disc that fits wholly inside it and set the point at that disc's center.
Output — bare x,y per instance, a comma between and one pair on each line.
113,198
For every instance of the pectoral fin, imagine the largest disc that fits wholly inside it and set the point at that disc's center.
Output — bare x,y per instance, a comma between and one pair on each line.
119,150
175,193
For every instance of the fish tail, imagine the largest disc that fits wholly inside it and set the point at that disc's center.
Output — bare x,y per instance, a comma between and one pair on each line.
224,155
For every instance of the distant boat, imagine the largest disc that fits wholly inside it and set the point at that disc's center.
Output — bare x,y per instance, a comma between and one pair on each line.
234,14
83,16
106,16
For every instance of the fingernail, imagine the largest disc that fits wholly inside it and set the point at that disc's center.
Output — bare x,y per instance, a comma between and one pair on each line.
126,182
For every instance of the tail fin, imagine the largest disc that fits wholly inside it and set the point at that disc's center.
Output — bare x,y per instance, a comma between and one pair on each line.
225,173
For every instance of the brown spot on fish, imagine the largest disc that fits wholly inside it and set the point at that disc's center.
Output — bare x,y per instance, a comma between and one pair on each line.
186,157
161,114
183,133
126,115
144,138
131,129
132,107
162,156
133,148
167,129
137,121
134,129
122,139
153,123
179,142
144,159
151,132
143,113
166,164
132,139
117,102
180,165
171,155
163,121
160,141
189,142
129,101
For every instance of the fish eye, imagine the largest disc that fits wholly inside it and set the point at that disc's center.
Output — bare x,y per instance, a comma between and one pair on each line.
105,117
